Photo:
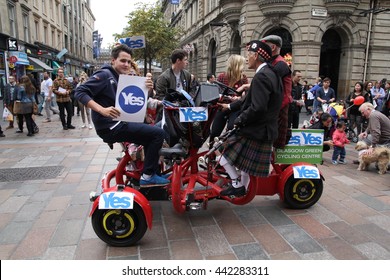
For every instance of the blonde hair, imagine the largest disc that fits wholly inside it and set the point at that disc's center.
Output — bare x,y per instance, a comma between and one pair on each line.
235,67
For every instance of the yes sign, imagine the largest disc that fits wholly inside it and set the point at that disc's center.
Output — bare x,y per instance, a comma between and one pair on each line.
306,139
306,172
134,42
116,200
193,114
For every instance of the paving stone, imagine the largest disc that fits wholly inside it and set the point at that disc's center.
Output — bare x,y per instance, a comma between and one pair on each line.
249,252
381,221
91,249
348,233
154,238
60,253
318,256
270,239
340,249
13,204
211,241
29,212
155,254
34,245
249,216
68,233
373,202
373,251
300,240
185,250
14,232
314,228
122,252
274,216
286,256
376,234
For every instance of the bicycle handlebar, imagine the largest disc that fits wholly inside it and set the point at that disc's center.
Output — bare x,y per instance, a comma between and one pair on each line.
226,89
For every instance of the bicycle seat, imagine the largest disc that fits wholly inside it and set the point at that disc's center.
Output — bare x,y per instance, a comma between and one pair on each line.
173,152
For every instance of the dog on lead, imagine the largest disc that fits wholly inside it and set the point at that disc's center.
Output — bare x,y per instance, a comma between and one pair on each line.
380,156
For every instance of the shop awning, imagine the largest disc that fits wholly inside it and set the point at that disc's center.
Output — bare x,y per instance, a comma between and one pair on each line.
56,65
39,64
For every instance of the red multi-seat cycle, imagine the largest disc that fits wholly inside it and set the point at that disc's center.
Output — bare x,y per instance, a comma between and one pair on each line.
121,212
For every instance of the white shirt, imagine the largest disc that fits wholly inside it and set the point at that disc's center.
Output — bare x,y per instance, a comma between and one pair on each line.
45,86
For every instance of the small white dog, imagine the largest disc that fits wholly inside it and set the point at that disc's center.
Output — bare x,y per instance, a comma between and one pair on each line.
380,155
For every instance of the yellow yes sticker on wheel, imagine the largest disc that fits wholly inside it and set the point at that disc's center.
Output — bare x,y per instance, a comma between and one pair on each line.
116,200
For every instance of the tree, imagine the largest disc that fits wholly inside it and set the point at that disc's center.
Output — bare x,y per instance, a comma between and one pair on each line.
159,36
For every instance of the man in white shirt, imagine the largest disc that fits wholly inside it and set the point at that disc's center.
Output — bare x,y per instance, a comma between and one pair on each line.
47,90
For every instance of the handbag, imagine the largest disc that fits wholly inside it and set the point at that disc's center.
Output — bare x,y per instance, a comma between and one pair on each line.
35,108
17,107
6,114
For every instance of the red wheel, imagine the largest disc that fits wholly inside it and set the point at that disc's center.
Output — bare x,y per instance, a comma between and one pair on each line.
176,183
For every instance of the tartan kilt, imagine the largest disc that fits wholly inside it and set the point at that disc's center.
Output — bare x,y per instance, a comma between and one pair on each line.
281,141
250,156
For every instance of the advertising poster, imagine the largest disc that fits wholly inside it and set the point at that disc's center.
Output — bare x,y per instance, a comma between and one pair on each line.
131,98
305,145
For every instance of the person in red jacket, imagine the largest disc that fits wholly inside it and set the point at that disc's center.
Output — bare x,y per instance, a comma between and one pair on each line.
339,138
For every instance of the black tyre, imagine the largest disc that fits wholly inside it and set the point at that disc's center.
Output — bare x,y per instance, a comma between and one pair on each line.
302,193
119,227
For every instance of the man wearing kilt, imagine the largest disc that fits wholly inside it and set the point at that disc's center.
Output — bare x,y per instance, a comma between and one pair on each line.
250,150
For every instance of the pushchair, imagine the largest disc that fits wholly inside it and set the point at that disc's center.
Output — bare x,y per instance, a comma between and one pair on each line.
339,113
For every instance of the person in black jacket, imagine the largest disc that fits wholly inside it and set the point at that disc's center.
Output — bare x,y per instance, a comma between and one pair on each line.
251,149
99,94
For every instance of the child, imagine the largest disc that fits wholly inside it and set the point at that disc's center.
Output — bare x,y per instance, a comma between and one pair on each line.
339,138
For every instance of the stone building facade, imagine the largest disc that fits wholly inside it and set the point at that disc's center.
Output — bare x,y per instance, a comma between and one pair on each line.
45,35
346,40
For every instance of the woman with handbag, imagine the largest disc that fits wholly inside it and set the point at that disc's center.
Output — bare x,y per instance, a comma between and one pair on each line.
24,103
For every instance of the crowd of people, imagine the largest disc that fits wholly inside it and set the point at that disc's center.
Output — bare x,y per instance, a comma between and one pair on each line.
265,108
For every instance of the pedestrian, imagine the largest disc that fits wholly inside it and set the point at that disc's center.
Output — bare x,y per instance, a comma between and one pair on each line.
99,93
1,132
339,139
47,90
251,149
84,110
175,77
283,70
355,117
11,89
62,89
26,97
296,105
325,94
378,95
236,79
378,130
210,78
325,123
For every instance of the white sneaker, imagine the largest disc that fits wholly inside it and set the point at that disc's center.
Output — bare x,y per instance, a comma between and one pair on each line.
83,126
90,126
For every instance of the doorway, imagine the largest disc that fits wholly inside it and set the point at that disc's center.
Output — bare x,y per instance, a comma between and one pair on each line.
330,57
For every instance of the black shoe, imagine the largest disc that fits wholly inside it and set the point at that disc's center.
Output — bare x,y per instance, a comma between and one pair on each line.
231,191
40,115
2,135
71,127
30,134
355,161
65,127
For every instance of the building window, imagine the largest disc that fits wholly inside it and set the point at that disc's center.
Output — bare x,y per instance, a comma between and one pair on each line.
44,8
36,23
51,9
26,27
53,38
45,34
12,20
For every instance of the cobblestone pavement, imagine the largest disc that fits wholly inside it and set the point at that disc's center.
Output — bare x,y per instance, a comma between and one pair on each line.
47,218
